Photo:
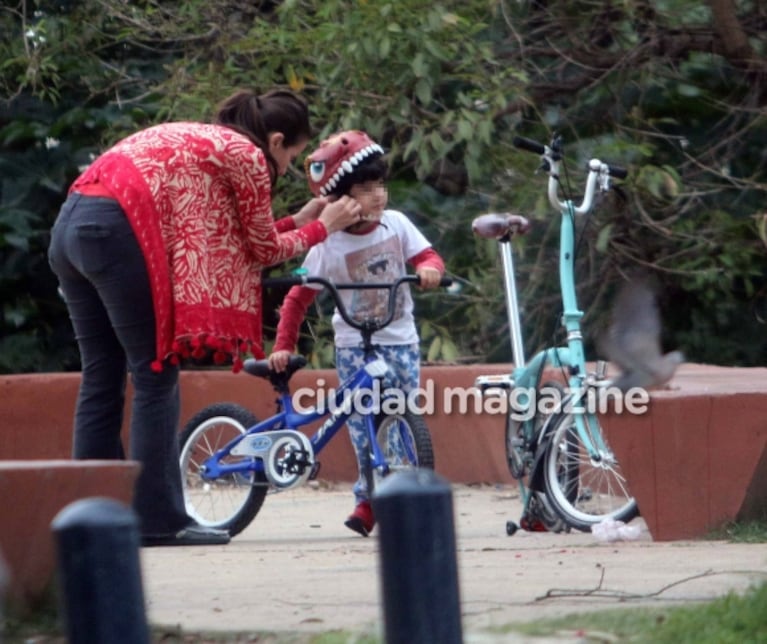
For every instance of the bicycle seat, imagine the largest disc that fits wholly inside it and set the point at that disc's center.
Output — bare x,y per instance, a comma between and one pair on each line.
261,368
498,225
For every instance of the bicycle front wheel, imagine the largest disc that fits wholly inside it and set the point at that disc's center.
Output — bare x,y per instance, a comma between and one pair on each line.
584,489
229,502
405,443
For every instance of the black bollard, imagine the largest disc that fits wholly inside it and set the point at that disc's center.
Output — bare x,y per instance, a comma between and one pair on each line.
419,568
4,582
99,571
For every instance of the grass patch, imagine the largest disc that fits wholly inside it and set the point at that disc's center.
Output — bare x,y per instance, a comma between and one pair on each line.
42,626
741,532
731,619
39,620
164,636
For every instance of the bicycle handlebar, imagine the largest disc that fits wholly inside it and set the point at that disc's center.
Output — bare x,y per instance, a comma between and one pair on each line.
598,172
284,281
539,148
303,280
367,325
528,144
617,171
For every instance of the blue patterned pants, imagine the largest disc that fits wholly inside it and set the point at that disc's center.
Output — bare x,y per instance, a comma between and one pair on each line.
404,373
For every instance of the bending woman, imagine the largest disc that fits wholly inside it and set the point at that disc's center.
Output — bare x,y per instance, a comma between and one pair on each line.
159,249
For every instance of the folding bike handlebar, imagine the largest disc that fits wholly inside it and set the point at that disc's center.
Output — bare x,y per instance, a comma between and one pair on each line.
599,174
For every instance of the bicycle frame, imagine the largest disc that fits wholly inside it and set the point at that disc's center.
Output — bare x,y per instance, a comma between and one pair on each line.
525,376
568,476
360,388
361,384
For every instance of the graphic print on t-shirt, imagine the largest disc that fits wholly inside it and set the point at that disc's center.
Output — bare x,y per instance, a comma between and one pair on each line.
380,263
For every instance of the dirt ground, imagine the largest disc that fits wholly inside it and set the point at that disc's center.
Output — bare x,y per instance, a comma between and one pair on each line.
297,568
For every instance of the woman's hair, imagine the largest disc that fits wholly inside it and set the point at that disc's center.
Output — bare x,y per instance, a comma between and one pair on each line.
374,168
258,116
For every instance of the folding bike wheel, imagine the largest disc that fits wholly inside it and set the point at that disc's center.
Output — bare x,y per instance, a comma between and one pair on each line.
584,490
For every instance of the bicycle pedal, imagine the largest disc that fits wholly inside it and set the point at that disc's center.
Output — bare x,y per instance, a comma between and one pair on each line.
494,384
314,471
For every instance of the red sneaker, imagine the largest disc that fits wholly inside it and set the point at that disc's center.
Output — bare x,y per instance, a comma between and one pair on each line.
362,519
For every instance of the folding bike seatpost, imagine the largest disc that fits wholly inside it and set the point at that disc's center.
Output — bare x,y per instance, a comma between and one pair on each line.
512,305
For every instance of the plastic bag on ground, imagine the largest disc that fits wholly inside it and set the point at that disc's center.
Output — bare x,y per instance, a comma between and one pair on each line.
611,530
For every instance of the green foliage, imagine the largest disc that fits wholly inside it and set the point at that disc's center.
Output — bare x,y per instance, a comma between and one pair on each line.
656,86
425,81
60,74
34,323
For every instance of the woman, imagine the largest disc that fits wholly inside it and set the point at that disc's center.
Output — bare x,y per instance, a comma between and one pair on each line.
158,250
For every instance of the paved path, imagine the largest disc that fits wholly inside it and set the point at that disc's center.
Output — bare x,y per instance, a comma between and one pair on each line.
296,568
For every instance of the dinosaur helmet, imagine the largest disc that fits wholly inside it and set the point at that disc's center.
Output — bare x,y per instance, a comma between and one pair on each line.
337,157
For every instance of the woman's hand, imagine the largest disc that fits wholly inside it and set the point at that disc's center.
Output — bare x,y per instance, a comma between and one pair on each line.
278,360
340,214
310,211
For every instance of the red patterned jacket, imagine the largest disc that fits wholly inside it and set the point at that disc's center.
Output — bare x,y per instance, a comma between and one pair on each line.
198,198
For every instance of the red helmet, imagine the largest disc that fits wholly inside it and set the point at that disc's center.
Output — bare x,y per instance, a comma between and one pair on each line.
336,157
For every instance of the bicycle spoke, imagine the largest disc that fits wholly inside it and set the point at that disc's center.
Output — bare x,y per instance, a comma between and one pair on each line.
228,501
584,489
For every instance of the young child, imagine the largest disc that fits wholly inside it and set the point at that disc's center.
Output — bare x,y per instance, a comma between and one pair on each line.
375,249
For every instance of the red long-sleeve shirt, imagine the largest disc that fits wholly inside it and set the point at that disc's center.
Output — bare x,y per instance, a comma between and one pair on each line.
299,298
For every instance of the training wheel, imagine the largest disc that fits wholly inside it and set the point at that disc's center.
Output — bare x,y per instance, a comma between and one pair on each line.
511,528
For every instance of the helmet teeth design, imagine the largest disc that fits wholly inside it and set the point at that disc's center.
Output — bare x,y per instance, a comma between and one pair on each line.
336,157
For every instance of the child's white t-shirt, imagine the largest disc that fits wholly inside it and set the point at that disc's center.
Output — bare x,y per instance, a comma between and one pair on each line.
377,256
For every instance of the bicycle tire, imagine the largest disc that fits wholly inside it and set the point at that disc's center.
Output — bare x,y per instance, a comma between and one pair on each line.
580,490
405,441
232,501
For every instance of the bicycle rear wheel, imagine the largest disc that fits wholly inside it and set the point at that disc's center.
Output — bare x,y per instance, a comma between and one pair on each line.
584,490
405,442
229,502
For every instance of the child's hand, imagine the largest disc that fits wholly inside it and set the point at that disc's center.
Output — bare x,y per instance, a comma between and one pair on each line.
430,277
278,360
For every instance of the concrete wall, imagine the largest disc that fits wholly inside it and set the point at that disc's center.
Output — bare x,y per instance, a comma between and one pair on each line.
36,418
694,460
32,494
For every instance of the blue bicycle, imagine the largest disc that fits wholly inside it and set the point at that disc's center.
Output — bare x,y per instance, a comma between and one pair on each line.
555,445
230,460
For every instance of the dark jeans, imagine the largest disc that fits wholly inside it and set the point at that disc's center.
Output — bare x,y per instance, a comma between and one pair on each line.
103,277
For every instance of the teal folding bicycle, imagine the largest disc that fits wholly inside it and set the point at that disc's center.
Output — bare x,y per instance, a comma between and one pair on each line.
555,446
